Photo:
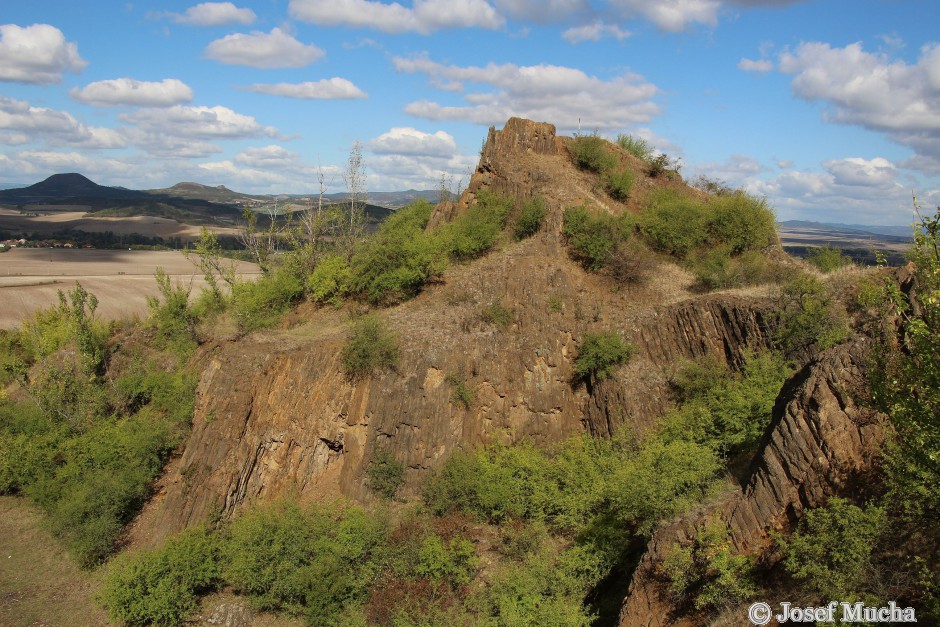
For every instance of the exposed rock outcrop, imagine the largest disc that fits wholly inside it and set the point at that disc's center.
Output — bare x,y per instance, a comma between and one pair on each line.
275,414
820,442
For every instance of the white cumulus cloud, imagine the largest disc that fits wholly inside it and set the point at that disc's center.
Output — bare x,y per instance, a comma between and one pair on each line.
198,122
276,49
22,123
565,96
670,15
37,54
544,10
127,91
424,16
760,65
326,89
877,172
873,91
215,14
594,31
411,141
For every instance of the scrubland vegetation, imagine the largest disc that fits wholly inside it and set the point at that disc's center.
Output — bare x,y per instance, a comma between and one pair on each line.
505,534
557,523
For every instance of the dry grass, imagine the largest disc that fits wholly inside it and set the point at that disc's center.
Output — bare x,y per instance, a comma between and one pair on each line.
39,583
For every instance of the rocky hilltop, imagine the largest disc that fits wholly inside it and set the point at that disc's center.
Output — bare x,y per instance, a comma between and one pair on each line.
275,415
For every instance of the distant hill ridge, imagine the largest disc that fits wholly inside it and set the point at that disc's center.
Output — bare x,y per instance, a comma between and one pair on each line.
904,232
59,187
75,188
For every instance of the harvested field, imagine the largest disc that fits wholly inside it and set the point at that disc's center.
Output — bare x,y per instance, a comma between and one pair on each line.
47,223
30,279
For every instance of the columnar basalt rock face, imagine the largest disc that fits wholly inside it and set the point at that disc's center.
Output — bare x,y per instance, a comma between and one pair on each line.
501,169
821,441
272,420
275,415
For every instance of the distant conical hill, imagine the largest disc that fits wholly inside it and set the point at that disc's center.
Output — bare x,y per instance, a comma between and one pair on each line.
61,187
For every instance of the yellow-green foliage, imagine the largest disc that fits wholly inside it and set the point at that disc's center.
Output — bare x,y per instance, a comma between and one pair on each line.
619,184
474,232
832,547
330,281
162,586
262,302
720,238
590,152
498,315
727,412
385,474
709,571
600,354
827,258
400,259
313,562
636,146
72,320
87,449
530,218
593,237
371,346
808,316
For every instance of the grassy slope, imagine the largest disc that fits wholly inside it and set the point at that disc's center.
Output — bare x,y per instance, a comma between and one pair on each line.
40,584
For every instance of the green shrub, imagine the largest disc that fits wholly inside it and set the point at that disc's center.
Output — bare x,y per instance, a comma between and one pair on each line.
530,218
262,302
906,381
318,562
808,316
172,317
639,148
548,588
658,165
98,481
827,258
713,186
371,346
741,222
453,561
385,474
600,354
715,268
462,394
497,315
726,412
475,231
161,586
591,238
400,259
563,487
662,480
619,184
675,224
831,549
590,153
708,571
72,320
330,280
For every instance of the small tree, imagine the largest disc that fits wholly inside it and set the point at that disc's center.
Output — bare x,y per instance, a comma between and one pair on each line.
600,354
371,346
355,178
385,474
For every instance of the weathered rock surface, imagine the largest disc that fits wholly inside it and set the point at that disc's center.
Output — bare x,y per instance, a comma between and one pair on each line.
820,442
275,415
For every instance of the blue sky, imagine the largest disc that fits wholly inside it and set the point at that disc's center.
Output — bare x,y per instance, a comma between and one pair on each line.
829,108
